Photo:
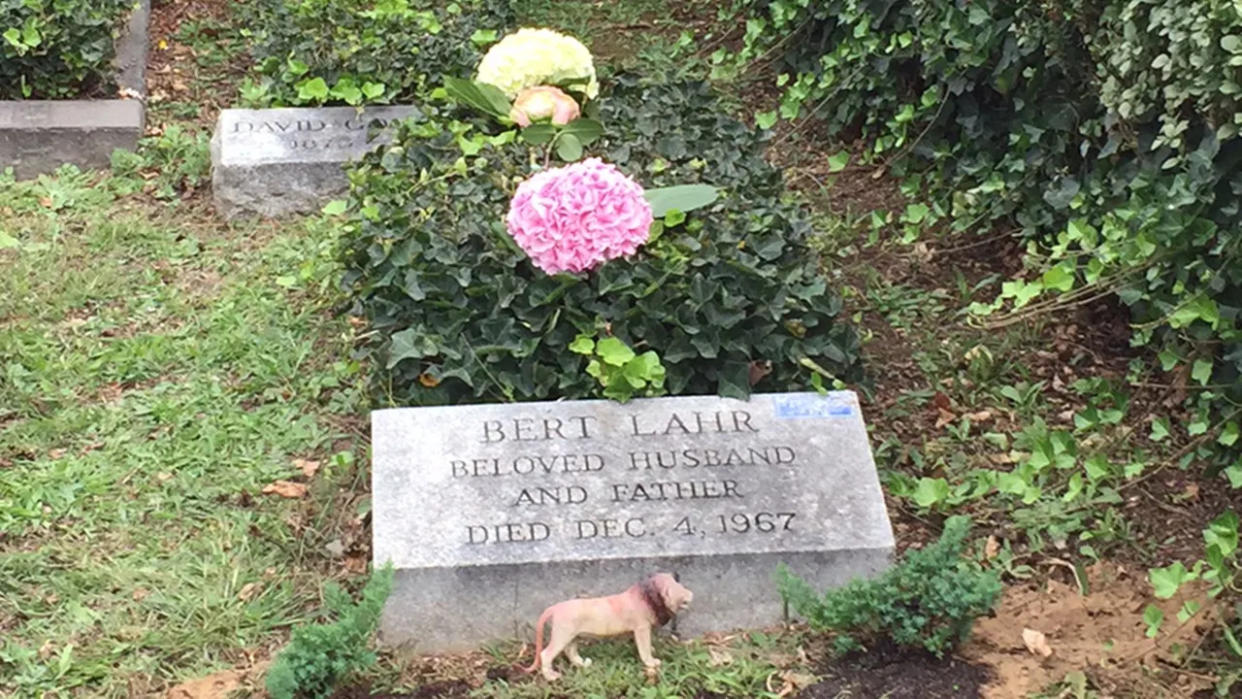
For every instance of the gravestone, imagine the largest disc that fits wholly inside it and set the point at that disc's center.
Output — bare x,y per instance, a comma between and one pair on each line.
274,162
490,513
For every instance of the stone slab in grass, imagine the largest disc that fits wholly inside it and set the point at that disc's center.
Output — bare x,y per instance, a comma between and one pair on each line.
490,513
39,136
275,162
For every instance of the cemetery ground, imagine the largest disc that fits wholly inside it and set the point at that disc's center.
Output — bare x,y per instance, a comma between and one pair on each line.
183,450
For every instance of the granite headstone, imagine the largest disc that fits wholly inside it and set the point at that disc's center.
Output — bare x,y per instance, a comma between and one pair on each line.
489,513
274,162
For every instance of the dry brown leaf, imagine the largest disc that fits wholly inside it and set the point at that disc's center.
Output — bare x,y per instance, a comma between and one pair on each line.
428,380
285,489
719,656
945,418
991,548
306,466
217,686
47,649
45,202
140,593
1036,642
799,680
163,477
249,591
56,453
1192,491
981,416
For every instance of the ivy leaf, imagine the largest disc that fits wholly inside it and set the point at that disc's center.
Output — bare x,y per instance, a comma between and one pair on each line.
613,351
734,380
373,90
1234,474
1223,533
1159,429
486,98
313,89
1153,617
1202,371
930,491
483,37
685,197
408,345
336,207
1228,434
583,344
1059,278
765,120
568,147
837,163
1166,581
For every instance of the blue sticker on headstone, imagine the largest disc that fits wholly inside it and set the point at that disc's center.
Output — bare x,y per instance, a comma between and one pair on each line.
795,407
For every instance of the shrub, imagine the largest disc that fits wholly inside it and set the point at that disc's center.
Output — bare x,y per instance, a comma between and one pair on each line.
457,313
58,48
312,52
321,655
930,599
1107,131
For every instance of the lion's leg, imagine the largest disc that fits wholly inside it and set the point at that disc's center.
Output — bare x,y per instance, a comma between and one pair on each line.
559,640
571,652
642,639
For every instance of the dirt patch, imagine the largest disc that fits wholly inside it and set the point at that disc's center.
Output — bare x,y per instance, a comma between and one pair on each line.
896,673
1101,634
174,70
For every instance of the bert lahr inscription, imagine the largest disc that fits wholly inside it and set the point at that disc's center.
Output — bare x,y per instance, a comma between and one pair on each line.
273,162
491,512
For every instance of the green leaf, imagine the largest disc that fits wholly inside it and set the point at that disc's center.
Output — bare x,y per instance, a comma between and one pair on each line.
373,90
613,351
483,37
313,89
1202,371
336,207
582,344
765,120
486,98
674,217
930,491
1153,617
1234,474
684,198
7,241
1166,581
1059,278
1223,533
1231,43
1228,434
568,147
14,36
539,134
587,131
297,68
1159,429
837,162
1189,608
1074,489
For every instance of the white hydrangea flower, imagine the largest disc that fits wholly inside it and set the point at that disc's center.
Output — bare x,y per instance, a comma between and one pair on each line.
531,57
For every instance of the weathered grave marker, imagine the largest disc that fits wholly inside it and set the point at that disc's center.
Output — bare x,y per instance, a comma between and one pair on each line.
492,512
274,162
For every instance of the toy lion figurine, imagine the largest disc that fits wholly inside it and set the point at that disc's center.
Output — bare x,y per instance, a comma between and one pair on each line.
652,602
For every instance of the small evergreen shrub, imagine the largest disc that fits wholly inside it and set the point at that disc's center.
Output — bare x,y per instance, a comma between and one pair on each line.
321,655
928,600
312,52
458,314
58,48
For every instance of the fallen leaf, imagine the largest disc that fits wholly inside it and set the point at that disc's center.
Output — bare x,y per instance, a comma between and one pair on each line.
1036,642
56,453
285,489
163,45
45,202
719,656
306,466
356,565
140,593
47,649
335,547
428,380
991,548
981,416
799,680
163,477
248,592
216,686
1191,492
941,401
945,418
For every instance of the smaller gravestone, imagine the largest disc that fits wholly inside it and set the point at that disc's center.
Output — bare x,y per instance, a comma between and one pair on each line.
274,162
490,513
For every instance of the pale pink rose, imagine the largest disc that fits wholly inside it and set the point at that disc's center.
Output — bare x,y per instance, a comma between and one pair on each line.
543,102
572,218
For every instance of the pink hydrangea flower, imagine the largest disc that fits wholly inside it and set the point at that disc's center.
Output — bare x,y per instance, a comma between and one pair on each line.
543,102
572,218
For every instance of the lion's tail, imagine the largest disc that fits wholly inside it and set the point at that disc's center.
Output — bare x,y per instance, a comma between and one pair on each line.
543,618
